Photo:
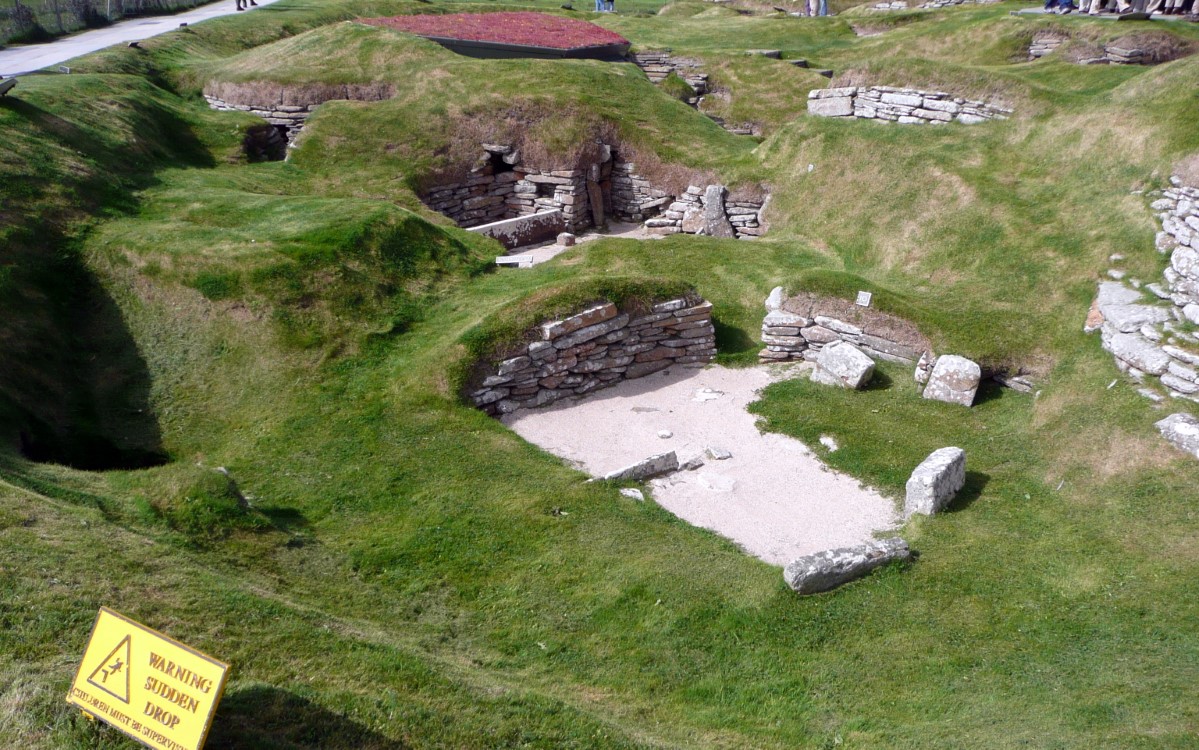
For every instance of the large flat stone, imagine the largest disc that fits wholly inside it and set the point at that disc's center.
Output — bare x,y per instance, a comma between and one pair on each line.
1182,431
831,107
663,463
1137,351
584,335
954,380
590,316
843,364
812,574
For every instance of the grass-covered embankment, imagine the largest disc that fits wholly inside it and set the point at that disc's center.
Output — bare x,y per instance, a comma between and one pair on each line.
411,574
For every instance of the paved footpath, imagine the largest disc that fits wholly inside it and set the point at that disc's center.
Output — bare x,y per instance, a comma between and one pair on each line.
30,57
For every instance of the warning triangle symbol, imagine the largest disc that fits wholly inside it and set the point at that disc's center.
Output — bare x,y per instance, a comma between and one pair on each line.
112,676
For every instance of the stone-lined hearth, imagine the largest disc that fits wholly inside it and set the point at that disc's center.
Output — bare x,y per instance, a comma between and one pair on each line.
905,106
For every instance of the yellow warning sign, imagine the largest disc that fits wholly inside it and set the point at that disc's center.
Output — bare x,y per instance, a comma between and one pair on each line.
151,687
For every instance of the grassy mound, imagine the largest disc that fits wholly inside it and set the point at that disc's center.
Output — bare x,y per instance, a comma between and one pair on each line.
405,572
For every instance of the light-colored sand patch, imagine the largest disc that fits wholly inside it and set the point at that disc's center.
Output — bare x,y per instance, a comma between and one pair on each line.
773,496
546,251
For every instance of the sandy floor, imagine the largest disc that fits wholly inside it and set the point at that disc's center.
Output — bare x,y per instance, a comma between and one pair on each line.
773,496
550,250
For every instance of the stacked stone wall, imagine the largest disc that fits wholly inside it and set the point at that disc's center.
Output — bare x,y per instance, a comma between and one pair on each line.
659,64
515,190
1147,336
285,106
799,327
290,117
905,106
689,213
1044,44
633,198
598,347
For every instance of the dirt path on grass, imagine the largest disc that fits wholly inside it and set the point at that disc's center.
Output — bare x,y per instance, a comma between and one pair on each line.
772,496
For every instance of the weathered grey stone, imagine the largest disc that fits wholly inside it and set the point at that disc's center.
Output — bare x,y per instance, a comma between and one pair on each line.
716,223
1115,293
591,332
716,453
1175,383
841,106
663,463
837,325
935,482
670,306
1181,355
819,335
1130,317
886,346
843,364
641,369
812,574
833,93
774,301
1137,351
515,364
1182,431
954,380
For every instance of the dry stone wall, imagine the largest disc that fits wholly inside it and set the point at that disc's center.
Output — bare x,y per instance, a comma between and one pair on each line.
1122,51
905,106
497,189
710,211
659,64
1146,335
289,117
1044,44
500,188
598,347
799,327
288,107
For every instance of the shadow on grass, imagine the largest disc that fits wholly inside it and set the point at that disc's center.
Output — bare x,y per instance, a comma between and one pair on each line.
989,390
291,522
262,717
733,340
976,482
880,381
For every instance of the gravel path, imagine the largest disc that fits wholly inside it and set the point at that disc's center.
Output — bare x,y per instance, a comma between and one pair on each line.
30,57
773,496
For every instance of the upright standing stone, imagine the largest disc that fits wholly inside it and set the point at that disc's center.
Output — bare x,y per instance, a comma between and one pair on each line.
954,380
716,222
935,482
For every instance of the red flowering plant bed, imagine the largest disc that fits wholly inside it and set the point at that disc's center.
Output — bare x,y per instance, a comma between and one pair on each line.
510,31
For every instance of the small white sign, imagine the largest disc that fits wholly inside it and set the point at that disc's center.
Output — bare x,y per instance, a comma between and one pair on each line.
864,299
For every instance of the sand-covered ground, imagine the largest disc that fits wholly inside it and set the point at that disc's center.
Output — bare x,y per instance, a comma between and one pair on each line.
772,496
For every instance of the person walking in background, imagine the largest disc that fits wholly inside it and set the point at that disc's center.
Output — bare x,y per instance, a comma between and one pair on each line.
610,6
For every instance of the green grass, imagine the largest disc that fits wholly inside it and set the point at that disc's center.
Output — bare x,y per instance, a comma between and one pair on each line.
401,578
